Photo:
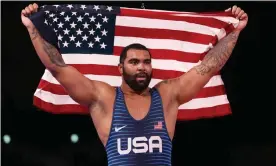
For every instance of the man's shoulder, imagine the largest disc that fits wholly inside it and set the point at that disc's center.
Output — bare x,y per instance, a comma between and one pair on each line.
164,87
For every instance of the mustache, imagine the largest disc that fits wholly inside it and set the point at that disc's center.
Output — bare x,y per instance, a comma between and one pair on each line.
142,74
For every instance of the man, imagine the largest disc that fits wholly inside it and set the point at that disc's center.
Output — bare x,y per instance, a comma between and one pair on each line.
134,122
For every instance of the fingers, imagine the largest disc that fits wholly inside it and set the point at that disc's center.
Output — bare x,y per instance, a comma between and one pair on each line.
243,16
30,9
35,6
234,8
238,12
24,12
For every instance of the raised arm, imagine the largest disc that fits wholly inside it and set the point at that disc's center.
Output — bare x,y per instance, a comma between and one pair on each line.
186,87
80,88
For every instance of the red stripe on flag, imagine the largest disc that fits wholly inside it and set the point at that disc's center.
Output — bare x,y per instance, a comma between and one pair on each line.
208,21
59,90
60,109
229,29
114,71
97,69
210,112
184,114
218,13
124,10
165,34
168,54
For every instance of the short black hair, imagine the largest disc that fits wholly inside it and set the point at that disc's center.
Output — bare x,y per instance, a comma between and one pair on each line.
132,46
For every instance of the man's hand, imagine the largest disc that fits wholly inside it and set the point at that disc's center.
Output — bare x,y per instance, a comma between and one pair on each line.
241,15
32,8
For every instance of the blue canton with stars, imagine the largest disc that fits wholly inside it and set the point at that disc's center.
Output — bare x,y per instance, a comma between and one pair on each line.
78,28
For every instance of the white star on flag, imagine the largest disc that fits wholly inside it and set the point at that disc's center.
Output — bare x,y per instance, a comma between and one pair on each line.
72,38
103,45
66,31
60,37
96,7
109,8
67,18
70,6
105,19
84,38
90,44
52,15
97,39
98,25
83,7
85,25
60,25
65,44
73,25
104,32
80,18
55,19
92,32
92,19
79,31
62,13
78,44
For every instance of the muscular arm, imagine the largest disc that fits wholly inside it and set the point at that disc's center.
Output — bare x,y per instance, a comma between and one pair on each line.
80,88
186,87
217,57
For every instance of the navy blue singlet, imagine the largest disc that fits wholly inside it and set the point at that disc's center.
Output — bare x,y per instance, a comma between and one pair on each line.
138,142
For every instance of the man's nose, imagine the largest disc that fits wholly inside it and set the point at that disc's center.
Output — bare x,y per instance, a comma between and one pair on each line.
141,66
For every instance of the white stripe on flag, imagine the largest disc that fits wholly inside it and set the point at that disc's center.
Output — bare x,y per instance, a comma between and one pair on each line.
229,20
205,102
155,10
117,80
193,104
166,44
165,24
113,60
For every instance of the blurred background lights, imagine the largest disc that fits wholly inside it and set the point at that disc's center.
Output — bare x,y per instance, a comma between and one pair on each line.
74,138
7,139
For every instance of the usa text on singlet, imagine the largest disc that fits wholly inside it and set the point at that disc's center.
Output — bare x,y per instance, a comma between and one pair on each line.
138,142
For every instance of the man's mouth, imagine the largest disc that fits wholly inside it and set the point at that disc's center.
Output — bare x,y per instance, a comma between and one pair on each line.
141,77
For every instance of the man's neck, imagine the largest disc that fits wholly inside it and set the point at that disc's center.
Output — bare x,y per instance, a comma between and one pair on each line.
128,91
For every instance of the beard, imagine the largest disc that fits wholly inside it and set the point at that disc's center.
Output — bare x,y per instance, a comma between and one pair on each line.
137,85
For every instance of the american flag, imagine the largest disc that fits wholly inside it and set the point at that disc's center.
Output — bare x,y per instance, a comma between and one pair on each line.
158,126
91,37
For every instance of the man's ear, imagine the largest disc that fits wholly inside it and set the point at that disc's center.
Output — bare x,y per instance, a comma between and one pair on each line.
120,68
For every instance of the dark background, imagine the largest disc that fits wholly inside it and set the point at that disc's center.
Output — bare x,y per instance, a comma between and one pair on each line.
244,138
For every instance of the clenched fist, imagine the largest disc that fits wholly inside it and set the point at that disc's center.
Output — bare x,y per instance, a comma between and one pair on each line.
32,8
241,15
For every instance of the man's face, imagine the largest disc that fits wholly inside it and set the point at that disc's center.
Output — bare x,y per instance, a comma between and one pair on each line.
137,69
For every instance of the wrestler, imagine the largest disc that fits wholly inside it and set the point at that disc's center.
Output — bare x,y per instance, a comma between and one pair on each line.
135,123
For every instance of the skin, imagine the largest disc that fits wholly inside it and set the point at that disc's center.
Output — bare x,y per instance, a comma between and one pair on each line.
99,96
